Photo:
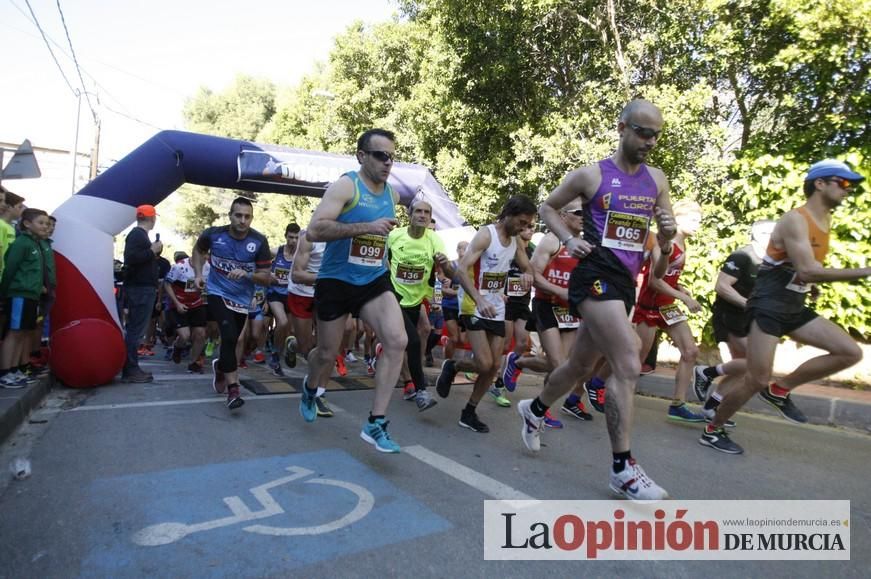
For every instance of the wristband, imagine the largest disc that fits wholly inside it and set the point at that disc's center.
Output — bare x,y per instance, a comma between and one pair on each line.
670,250
567,239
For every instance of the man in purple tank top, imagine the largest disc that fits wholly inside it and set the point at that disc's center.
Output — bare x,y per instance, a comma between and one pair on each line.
620,195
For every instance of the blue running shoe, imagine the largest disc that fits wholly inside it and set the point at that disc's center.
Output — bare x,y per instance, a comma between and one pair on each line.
511,373
682,413
375,433
307,406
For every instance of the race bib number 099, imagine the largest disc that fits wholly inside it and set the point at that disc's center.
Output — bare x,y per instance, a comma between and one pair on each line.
367,250
625,231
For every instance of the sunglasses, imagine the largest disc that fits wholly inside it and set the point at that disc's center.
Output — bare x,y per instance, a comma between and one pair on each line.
844,184
382,156
576,212
644,132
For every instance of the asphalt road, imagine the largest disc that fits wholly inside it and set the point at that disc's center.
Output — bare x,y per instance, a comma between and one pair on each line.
111,467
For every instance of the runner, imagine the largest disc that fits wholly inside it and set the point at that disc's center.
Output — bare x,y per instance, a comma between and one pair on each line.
187,312
482,309
413,253
620,196
354,217
276,296
730,320
656,308
239,257
791,265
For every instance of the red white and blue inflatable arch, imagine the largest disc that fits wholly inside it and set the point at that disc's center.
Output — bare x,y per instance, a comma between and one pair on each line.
87,342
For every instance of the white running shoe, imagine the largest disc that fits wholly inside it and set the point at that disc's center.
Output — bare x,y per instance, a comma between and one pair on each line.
634,484
532,426
350,358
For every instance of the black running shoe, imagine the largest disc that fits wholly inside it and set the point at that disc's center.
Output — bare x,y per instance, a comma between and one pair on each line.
234,399
446,378
785,406
470,420
577,411
719,440
323,408
701,383
596,396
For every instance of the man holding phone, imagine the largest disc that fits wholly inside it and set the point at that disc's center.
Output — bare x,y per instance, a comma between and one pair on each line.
354,218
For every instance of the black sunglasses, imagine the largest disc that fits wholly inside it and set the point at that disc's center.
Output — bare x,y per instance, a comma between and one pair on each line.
576,212
382,156
644,132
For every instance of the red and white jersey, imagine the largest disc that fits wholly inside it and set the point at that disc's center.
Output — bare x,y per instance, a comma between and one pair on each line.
557,272
181,278
651,299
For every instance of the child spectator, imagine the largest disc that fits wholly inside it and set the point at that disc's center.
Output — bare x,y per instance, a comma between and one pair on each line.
26,278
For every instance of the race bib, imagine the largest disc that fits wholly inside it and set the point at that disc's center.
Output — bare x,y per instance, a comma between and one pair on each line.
492,282
672,314
797,286
515,289
565,320
409,274
235,306
625,231
367,250
437,295
190,286
282,274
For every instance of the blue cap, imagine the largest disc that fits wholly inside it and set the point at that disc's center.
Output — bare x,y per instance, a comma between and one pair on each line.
832,168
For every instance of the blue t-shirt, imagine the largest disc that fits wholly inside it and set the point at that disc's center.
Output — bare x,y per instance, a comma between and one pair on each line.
361,259
228,253
281,267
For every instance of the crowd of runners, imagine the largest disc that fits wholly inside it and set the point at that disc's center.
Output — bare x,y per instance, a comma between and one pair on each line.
581,308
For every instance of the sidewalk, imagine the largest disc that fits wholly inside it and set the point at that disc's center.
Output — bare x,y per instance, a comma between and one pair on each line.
15,405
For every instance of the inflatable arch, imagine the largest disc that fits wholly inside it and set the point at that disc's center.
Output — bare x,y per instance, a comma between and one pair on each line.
87,338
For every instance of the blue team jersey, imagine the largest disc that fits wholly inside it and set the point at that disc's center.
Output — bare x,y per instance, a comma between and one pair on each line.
361,259
281,270
228,253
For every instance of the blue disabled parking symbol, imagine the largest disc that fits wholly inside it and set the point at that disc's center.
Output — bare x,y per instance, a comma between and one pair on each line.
250,518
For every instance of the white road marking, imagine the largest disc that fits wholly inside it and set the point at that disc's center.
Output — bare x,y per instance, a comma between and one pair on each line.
220,399
485,484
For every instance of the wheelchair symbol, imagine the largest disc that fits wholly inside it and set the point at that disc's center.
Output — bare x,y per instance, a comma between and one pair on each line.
166,533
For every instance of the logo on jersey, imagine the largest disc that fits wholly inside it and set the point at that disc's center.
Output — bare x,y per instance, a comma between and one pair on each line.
731,265
606,201
615,182
251,247
598,288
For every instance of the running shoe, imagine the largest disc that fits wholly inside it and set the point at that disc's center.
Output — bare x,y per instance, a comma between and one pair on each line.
409,391
634,484
27,377
323,408
424,400
709,414
647,369
168,353
701,383
578,411
209,349
176,355
596,395
307,405
719,440
498,396
470,420
471,376
219,380
11,382
375,433
234,399
683,413
429,361
290,351
276,370
446,378
532,426
195,368
350,358
259,357
370,366
511,373
341,369
784,405
243,364
550,421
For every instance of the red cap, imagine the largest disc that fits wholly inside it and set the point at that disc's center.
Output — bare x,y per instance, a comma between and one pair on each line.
145,211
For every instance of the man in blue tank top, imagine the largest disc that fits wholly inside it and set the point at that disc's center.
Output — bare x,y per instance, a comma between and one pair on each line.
276,295
354,217
239,257
620,195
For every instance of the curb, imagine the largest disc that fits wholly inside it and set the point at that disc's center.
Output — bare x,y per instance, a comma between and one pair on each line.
825,410
14,411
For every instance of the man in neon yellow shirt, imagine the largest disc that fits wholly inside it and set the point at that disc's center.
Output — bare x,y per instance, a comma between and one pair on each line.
413,252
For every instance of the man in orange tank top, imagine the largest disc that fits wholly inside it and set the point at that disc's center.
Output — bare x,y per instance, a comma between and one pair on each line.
792,264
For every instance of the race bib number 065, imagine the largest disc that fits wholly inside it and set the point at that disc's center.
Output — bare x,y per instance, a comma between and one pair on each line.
367,250
625,231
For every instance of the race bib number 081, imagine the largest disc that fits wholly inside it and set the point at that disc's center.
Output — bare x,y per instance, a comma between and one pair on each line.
367,250
492,282
625,231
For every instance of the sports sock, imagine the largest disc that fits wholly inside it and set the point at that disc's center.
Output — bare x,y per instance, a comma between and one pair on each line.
538,408
373,418
620,459
778,391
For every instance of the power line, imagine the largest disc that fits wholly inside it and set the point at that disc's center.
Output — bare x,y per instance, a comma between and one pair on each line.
47,45
75,61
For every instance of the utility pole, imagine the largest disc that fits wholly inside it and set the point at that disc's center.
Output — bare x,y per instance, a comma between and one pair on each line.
95,152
